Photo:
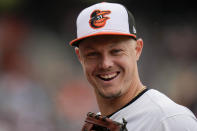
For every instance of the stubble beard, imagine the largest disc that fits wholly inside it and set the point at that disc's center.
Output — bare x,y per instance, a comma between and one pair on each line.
111,96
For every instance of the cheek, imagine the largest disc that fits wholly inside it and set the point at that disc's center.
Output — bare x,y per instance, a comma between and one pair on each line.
128,65
89,73
88,69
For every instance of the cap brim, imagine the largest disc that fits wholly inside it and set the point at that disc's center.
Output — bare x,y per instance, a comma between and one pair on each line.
75,42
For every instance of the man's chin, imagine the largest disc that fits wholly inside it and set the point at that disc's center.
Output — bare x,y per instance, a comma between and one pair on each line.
110,95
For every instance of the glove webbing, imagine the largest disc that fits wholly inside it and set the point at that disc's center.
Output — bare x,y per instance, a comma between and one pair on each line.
95,122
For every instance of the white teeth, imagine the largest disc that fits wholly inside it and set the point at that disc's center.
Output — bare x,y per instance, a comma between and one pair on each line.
108,76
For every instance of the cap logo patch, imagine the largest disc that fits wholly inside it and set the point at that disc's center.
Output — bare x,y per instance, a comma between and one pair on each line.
98,18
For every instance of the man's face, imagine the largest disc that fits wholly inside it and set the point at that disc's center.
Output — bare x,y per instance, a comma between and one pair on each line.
109,63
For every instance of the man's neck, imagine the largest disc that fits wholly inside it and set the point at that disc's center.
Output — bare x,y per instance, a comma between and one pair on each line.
109,106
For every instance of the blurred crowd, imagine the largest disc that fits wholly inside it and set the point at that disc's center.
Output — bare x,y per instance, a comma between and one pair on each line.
42,87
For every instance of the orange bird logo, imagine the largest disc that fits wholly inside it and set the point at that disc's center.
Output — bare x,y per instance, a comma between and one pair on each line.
98,18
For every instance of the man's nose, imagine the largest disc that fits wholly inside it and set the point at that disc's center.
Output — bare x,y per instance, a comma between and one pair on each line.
106,62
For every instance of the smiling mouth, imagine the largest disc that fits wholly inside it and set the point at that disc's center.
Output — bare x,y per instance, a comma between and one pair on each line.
108,77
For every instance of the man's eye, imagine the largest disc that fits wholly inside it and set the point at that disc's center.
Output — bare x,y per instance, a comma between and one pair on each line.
116,51
92,55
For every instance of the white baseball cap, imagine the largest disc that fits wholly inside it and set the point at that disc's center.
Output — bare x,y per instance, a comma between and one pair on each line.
104,19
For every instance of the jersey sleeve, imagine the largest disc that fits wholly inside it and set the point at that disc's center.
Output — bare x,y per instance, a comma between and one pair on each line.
178,123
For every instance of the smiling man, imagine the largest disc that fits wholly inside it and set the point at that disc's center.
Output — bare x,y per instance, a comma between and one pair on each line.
109,55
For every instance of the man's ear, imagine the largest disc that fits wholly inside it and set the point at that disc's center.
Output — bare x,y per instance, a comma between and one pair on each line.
138,48
77,53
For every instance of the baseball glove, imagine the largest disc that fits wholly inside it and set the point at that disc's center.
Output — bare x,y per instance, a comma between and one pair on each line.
95,122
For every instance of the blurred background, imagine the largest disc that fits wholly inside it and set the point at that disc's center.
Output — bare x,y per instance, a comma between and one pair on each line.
42,86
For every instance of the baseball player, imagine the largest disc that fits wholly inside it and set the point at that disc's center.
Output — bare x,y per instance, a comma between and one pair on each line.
108,49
